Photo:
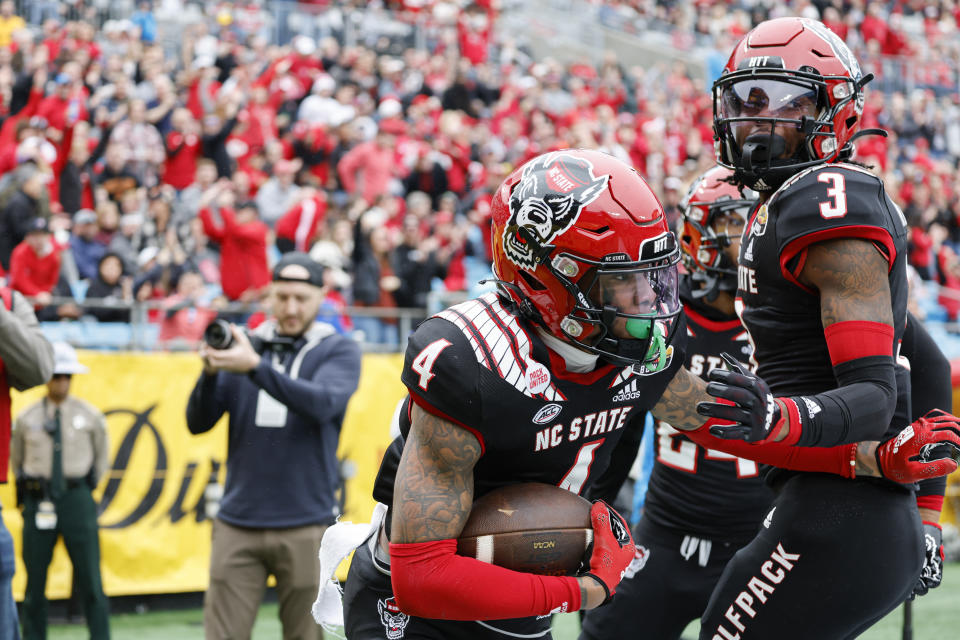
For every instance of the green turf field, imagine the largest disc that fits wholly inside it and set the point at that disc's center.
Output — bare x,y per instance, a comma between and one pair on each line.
936,617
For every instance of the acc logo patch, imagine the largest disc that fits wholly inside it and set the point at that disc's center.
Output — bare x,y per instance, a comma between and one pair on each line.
547,201
547,413
394,621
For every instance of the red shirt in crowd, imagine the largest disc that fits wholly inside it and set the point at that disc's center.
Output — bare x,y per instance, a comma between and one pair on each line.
188,323
474,43
300,223
31,273
243,252
181,164
374,163
61,112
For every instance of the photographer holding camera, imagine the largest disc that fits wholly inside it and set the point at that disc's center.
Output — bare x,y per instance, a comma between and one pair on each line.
286,388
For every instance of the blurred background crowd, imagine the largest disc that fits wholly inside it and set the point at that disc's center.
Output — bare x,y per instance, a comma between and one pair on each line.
156,158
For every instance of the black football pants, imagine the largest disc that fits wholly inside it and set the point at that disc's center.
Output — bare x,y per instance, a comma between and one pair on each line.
832,557
370,614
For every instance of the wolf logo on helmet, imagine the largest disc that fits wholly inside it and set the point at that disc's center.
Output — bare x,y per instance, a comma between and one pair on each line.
582,247
551,194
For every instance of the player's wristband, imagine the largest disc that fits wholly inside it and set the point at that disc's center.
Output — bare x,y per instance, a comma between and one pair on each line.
933,503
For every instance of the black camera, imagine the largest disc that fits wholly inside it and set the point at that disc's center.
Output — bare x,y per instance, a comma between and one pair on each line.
219,336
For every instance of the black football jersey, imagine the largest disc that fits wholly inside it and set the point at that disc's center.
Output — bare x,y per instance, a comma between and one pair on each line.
700,491
482,367
783,315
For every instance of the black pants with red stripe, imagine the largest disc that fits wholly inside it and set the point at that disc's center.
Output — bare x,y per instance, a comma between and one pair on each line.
832,557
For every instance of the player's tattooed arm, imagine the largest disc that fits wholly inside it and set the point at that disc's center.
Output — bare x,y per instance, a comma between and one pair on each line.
851,276
678,404
433,490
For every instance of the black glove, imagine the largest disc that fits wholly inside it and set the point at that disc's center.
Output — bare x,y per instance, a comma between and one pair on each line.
754,411
932,572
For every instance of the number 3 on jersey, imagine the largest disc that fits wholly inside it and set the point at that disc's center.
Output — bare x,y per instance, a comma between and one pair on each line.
423,363
837,192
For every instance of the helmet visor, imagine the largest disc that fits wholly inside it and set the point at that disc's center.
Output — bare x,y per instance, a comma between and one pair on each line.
766,99
638,296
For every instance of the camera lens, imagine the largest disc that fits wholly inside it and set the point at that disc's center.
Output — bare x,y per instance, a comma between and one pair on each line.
218,334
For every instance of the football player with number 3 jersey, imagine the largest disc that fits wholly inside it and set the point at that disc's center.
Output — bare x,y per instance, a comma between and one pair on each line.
533,383
702,505
822,290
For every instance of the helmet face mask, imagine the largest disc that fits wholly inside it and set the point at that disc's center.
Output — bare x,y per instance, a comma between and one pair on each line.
582,247
622,305
714,214
789,98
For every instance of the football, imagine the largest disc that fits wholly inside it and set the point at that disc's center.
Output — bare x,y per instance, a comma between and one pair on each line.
529,527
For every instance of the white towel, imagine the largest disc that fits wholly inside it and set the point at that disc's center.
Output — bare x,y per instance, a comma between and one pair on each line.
338,541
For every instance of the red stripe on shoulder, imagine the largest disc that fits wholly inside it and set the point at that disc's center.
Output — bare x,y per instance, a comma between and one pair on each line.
432,410
796,247
858,339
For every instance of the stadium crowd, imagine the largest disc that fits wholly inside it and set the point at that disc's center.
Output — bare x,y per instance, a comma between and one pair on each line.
132,175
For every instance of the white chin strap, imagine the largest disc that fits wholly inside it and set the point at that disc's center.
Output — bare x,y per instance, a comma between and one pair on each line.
577,360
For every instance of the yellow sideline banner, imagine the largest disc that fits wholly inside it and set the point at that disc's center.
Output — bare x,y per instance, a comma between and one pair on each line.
154,533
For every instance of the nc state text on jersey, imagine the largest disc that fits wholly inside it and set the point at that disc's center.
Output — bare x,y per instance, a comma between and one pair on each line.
589,425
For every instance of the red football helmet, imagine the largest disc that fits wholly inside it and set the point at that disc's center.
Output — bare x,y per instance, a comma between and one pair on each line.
794,72
708,229
581,246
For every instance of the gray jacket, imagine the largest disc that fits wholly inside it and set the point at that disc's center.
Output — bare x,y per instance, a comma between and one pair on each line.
27,355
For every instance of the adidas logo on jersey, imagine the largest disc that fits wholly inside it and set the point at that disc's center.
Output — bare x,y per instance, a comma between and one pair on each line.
627,393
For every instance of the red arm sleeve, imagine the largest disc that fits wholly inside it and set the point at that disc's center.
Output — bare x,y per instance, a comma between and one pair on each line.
840,460
431,581
63,153
253,231
209,227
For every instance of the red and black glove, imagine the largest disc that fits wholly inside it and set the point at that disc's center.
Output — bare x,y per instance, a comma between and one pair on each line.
928,448
745,400
613,547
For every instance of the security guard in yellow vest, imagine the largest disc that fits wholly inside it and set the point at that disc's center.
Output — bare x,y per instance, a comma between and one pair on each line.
59,453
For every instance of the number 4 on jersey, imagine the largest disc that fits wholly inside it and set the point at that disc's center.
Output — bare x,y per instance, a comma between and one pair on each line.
423,363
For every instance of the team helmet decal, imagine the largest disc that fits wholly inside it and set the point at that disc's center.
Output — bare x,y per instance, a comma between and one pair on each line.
547,201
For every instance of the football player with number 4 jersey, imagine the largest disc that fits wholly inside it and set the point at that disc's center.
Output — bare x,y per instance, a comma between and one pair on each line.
533,383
